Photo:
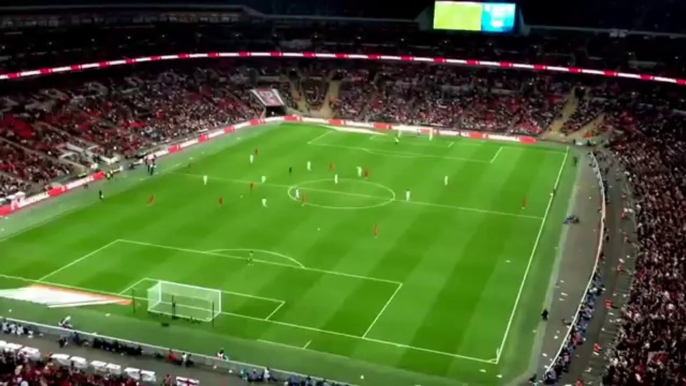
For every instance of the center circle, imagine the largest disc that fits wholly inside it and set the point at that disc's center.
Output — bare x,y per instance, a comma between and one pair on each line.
307,186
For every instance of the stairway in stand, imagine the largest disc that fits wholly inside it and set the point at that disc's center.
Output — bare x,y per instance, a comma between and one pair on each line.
554,132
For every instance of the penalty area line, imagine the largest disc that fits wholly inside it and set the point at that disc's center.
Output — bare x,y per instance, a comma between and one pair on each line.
312,141
496,154
286,257
275,310
80,259
531,258
382,310
132,286
263,320
266,262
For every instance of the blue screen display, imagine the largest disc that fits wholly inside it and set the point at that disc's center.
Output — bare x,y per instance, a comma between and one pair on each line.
497,17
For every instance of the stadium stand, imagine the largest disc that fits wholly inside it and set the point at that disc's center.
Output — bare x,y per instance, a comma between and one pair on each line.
10,185
117,117
650,345
26,366
114,114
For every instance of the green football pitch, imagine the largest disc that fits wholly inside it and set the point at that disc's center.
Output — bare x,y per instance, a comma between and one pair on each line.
448,292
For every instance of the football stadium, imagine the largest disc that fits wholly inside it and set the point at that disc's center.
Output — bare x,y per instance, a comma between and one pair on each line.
444,193
345,269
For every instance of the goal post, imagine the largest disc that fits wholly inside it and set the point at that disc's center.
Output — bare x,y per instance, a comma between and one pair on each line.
184,301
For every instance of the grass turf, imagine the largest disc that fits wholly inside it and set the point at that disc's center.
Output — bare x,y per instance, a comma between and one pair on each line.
431,300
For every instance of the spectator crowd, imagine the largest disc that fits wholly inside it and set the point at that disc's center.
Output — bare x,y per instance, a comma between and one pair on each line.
19,368
651,346
52,133
16,369
577,332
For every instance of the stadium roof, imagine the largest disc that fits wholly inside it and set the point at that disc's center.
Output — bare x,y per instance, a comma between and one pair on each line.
354,8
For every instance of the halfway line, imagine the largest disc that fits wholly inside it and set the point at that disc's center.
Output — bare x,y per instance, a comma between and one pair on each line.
351,194
401,154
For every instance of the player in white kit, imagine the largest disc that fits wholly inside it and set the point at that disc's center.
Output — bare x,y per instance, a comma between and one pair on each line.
335,178
297,193
309,166
359,171
204,180
407,195
264,202
264,179
252,159
445,180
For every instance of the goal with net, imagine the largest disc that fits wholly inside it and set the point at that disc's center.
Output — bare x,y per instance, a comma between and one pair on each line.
184,301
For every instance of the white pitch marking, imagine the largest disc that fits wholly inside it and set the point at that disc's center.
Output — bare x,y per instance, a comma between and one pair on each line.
351,194
281,302
286,257
275,310
531,257
399,154
77,208
313,329
312,141
132,286
496,154
382,310
267,262
280,344
80,259
302,185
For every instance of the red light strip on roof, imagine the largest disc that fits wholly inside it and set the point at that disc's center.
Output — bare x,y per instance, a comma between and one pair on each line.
316,55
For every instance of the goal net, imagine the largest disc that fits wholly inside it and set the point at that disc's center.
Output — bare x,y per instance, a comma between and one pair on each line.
184,301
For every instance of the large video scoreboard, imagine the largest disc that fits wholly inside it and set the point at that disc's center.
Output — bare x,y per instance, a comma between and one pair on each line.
474,16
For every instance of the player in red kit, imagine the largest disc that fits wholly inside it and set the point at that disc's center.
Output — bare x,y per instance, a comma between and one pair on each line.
252,186
366,174
221,200
303,199
331,166
257,151
376,230
524,202
151,200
